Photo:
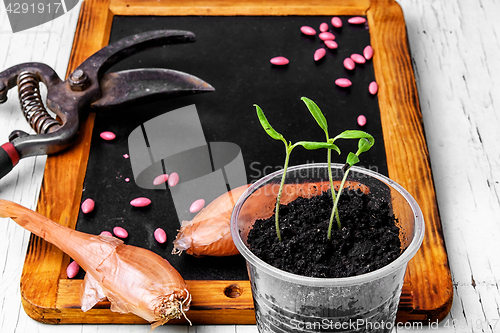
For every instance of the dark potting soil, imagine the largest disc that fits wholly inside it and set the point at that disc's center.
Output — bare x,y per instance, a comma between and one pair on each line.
368,240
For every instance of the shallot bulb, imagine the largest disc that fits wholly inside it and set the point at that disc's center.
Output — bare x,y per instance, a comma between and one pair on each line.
209,233
133,279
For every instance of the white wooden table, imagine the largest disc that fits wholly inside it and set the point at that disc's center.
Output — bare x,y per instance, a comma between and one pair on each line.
455,48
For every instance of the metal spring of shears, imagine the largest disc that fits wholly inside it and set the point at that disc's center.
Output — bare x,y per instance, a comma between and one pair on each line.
31,103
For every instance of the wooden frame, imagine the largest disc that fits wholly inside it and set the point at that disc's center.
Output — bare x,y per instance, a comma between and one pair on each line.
48,296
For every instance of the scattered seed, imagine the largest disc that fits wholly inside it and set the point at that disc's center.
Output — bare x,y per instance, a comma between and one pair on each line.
373,88
358,58
140,202
331,44
88,206
173,179
323,27
160,235
326,36
72,269
320,53
337,22
127,179
306,30
279,61
197,206
342,82
120,232
108,136
349,64
368,52
160,179
357,20
126,156
361,120
106,233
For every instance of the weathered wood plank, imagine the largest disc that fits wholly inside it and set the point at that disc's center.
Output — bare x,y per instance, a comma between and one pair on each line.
453,45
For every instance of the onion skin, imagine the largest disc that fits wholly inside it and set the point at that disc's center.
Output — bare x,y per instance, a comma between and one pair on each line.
209,233
133,279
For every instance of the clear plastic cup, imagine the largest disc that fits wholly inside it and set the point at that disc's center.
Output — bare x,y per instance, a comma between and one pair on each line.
286,302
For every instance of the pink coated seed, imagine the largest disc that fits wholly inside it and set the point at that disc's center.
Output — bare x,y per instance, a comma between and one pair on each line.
108,136
373,88
337,22
72,269
279,61
88,205
344,83
140,202
326,36
127,179
160,235
361,120
323,27
120,232
173,179
331,44
358,58
126,156
368,52
106,233
306,30
160,179
357,20
197,206
349,64
320,53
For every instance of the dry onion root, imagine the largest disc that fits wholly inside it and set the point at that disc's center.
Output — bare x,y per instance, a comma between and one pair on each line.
133,279
209,233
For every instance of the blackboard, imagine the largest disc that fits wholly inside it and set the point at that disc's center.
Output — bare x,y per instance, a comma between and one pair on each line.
232,54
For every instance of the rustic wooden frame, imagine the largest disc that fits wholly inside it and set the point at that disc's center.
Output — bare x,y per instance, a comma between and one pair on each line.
48,296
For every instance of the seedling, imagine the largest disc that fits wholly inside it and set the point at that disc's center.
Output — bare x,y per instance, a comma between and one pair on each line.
366,141
310,145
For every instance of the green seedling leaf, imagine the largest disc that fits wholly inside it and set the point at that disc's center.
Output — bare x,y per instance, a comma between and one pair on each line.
311,145
316,113
355,134
352,159
364,145
267,127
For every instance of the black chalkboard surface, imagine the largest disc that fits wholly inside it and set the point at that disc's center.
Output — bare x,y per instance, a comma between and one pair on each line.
232,54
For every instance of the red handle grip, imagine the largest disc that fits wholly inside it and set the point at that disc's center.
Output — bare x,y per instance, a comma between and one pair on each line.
9,157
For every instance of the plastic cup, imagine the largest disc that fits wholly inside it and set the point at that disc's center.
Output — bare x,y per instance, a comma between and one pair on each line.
286,302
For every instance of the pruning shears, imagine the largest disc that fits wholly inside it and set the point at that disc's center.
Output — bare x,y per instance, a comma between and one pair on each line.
87,86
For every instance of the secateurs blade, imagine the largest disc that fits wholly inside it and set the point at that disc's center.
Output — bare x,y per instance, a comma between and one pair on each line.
87,86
